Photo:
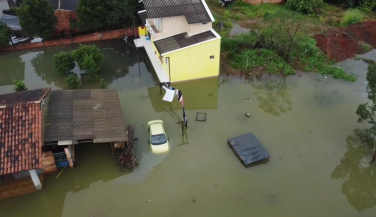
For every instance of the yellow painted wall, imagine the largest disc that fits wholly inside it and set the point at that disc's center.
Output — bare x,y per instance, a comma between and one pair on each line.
141,31
194,62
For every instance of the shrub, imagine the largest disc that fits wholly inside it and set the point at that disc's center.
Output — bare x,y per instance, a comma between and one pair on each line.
63,63
89,58
4,35
352,17
19,86
304,6
73,81
365,47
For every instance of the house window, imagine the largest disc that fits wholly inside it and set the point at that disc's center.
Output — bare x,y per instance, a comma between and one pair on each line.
204,23
212,57
166,60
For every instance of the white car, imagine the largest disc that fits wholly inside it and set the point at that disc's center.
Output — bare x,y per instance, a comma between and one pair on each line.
158,137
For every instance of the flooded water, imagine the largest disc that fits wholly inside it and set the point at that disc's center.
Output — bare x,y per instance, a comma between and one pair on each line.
306,122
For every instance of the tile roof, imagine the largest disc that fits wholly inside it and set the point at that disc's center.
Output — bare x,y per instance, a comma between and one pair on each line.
181,40
21,130
23,97
194,10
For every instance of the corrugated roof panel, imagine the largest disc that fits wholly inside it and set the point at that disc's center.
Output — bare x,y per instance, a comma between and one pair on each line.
170,8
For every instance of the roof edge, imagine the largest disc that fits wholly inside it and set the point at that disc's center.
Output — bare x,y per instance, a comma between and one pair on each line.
208,10
193,45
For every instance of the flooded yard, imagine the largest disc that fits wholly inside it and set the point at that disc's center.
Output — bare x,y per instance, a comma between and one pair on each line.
307,122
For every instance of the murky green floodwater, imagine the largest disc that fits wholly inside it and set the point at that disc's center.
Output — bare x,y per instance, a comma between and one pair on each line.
306,122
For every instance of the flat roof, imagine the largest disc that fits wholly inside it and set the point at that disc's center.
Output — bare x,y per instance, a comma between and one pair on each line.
85,115
182,40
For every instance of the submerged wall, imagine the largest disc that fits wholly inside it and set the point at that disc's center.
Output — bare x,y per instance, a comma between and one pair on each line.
97,36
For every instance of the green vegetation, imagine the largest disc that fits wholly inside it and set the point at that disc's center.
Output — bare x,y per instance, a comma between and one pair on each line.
305,6
63,63
366,111
19,86
96,15
280,47
89,58
73,81
352,17
104,85
37,18
365,47
364,5
4,35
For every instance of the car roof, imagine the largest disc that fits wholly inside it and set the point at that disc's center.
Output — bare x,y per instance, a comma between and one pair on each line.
157,128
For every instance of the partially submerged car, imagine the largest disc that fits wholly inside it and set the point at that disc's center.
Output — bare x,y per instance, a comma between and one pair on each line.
158,137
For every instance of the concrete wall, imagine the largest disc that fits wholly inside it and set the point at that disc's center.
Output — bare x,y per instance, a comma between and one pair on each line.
263,1
194,62
98,36
176,25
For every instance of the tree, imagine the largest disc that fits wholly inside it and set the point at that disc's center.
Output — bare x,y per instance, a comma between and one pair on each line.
89,58
19,86
4,35
366,111
64,63
37,18
96,15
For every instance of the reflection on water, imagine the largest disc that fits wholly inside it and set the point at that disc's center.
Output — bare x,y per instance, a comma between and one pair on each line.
273,95
14,70
360,177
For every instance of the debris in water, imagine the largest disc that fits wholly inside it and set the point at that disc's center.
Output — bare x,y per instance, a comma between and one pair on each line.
216,184
76,187
247,114
247,99
194,199
48,124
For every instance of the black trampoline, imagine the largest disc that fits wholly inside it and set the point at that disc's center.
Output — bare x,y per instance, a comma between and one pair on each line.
248,149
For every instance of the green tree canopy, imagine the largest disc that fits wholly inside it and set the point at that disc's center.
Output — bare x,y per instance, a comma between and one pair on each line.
89,58
4,35
37,18
64,63
100,15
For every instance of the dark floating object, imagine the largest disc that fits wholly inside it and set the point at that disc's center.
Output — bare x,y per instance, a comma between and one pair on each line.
247,99
247,114
248,149
200,116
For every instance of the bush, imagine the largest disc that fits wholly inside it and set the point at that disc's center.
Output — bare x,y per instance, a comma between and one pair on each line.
365,47
37,18
304,6
352,17
89,58
263,58
19,86
64,63
73,81
4,35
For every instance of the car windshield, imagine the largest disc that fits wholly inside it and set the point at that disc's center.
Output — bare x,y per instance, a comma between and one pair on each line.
158,139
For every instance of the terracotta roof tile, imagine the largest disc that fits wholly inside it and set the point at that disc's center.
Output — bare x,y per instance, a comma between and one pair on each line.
20,130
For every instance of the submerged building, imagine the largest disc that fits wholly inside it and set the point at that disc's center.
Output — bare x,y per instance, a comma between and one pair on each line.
179,39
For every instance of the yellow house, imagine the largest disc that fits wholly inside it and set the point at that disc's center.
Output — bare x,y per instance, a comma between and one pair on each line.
179,39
